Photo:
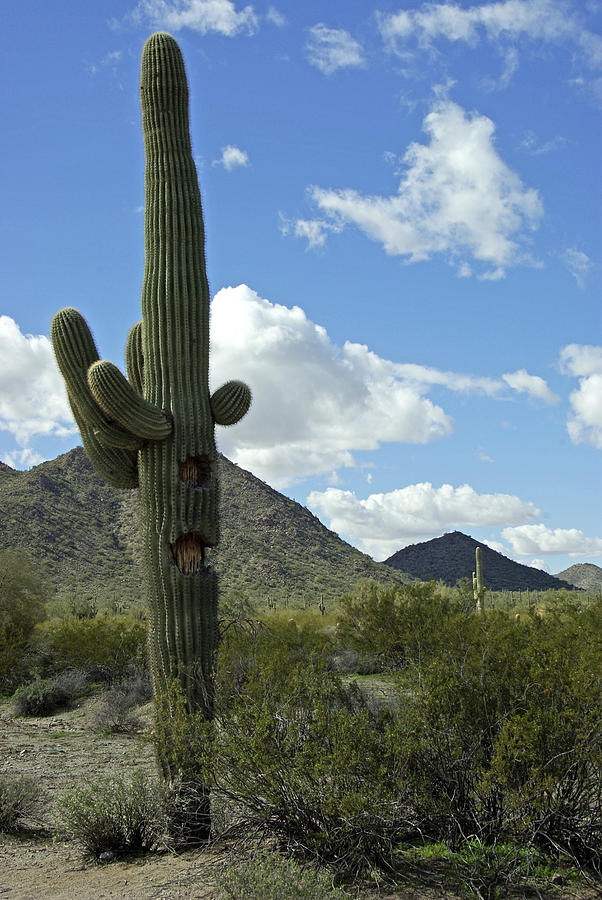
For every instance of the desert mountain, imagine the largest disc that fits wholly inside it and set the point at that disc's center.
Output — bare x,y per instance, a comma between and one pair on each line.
80,533
583,575
452,557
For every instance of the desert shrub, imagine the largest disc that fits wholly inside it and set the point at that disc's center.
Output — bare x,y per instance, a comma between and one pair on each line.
19,798
500,736
22,595
40,697
256,655
115,713
107,643
300,757
271,876
400,624
116,816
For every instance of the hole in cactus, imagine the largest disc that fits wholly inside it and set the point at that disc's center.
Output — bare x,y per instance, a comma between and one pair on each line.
196,471
188,553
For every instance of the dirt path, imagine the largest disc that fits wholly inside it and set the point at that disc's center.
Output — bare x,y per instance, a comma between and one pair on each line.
61,752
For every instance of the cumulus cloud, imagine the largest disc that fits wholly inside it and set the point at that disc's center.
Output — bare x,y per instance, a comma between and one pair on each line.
330,49
584,424
456,197
384,523
23,459
204,16
314,403
32,397
232,157
505,22
578,263
532,385
529,539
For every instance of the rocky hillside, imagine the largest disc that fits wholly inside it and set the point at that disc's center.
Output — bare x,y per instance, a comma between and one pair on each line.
583,575
81,534
452,557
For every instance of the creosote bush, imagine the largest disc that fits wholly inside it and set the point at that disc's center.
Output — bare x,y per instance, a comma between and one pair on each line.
106,643
493,744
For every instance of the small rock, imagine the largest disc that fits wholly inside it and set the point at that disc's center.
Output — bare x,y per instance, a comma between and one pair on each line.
107,856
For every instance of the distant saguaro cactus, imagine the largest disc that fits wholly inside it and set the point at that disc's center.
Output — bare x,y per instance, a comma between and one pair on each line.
155,429
478,588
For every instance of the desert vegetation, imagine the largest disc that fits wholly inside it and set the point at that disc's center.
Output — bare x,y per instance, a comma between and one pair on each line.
398,738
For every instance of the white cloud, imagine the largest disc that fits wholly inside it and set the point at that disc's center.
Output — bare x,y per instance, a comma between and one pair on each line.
314,403
274,16
314,230
532,385
505,22
531,145
232,157
578,263
109,61
539,564
333,48
204,16
23,459
33,400
384,523
584,361
456,196
529,539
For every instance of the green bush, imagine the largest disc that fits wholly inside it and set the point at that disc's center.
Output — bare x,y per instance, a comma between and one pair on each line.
300,756
500,736
22,596
107,643
39,698
116,816
19,798
400,624
270,876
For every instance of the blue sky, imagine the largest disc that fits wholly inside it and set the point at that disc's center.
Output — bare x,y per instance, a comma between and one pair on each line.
402,205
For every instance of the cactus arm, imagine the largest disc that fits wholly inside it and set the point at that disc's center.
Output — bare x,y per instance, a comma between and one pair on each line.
118,467
134,360
120,401
230,403
75,352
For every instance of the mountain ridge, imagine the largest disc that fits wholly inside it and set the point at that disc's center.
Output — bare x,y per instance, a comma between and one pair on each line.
82,534
452,556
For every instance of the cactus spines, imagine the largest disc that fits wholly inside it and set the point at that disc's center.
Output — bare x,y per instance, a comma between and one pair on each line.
478,588
156,428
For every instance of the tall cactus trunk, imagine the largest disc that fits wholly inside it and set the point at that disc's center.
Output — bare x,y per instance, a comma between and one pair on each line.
155,429
478,588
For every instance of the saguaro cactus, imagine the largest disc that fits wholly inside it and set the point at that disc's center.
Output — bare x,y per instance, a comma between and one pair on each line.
478,588
155,429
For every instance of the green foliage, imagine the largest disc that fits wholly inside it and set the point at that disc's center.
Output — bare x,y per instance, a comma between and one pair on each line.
112,643
116,816
39,698
269,875
500,734
400,625
22,595
19,798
